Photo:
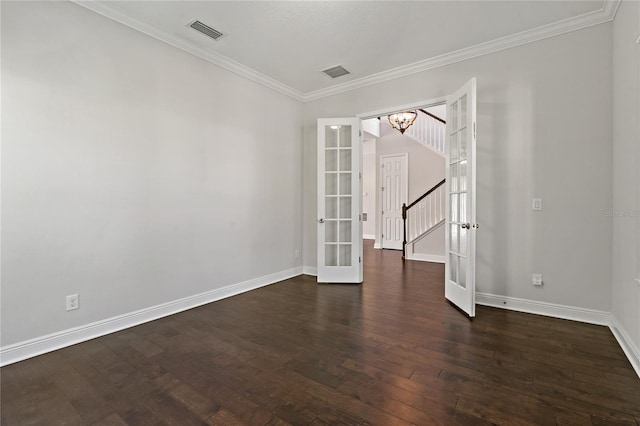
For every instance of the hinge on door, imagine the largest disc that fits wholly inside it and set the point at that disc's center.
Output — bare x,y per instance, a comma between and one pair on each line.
382,189
360,175
360,217
360,133
474,130
359,259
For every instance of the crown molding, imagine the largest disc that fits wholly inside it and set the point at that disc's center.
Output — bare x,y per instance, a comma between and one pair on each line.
610,7
102,8
605,14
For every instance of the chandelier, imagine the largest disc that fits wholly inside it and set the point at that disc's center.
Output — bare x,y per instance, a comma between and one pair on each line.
402,120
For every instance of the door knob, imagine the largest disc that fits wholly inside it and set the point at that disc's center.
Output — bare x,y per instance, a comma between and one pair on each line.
466,226
321,221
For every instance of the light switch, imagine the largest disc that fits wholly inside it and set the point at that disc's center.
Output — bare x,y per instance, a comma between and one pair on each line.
536,204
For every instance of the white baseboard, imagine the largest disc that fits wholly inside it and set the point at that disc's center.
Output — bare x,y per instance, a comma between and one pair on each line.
426,257
33,347
310,270
368,237
625,342
590,316
40,345
377,246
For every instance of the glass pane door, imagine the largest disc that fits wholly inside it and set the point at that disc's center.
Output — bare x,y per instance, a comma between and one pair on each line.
339,226
458,194
460,224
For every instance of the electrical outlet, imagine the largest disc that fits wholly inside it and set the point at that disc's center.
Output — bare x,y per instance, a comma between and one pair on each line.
72,302
296,253
536,204
536,279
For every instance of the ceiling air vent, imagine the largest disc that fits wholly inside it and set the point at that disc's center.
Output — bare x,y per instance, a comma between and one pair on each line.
206,30
336,72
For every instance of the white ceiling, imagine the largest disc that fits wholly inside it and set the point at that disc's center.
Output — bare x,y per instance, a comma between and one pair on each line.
286,44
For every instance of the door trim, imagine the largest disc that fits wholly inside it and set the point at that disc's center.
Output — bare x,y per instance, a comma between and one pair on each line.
398,108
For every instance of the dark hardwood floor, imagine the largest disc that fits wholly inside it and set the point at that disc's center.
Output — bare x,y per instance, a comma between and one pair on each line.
391,351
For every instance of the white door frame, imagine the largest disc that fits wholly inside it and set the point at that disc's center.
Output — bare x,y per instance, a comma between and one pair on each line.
386,111
380,195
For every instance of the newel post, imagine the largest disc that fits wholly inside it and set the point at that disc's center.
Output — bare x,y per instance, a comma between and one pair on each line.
404,229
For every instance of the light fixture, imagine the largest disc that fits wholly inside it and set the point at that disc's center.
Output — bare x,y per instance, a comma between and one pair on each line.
402,120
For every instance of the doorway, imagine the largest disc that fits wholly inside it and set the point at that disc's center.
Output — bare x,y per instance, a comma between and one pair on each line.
384,191
340,185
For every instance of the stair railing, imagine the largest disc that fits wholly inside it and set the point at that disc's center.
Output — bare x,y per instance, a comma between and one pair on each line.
428,130
427,217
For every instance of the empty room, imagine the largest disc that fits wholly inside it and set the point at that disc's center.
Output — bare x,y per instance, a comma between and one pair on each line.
320,212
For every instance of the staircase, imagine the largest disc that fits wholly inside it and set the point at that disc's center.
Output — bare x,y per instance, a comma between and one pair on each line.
429,131
426,213
423,215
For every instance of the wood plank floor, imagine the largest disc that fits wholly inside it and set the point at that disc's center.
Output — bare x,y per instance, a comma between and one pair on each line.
391,351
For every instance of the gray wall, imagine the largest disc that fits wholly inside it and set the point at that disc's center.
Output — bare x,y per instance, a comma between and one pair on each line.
126,179
626,171
133,173
426,168
544,130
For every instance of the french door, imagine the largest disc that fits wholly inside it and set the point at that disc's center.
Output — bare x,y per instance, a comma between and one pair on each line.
339,187
461,226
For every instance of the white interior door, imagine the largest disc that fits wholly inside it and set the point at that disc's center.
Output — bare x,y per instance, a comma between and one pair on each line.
339,198
461,226
394,176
